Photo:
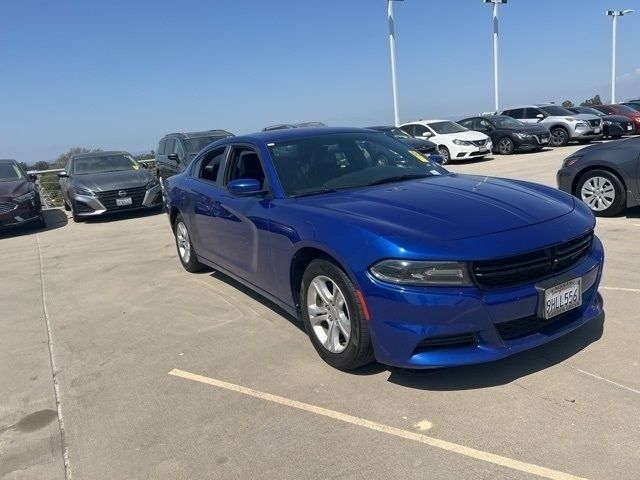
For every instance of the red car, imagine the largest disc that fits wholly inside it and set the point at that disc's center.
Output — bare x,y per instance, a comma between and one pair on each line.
617,109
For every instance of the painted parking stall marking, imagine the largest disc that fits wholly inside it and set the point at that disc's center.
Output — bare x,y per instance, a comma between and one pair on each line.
488,457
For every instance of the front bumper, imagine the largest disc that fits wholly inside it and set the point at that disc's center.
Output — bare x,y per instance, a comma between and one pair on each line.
583,133
532,142
460,152
91,206
403,319
14,214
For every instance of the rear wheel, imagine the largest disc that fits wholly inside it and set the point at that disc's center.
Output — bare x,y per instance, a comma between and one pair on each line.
559,137
333,317
446,155
603,192
186,253
506,146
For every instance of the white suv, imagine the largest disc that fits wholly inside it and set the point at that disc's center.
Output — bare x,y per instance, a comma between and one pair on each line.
563,124
453,140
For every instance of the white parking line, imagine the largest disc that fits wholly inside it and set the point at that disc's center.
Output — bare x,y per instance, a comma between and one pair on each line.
379,427
620,289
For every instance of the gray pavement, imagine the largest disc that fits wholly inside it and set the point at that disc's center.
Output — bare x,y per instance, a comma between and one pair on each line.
124,313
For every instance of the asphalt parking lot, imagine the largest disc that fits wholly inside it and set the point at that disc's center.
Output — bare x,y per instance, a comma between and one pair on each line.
165,374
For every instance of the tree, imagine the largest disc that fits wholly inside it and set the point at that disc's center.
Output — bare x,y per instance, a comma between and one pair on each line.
567,104
41,165
62,160
589,102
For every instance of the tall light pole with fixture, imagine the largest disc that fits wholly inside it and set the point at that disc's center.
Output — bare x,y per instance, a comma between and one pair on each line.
615,14
392,47
496,4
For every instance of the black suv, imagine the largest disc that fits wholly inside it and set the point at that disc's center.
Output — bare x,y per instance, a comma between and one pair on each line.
176,150
508,135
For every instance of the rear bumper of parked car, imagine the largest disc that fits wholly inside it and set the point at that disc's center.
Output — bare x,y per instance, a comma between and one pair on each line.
104,202
445,327
15,214
471,151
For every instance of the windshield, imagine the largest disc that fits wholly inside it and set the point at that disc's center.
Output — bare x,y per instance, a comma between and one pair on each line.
194,145
591,111
556,111
506,122
104,163
346,160
624,109
442,128
633,106
10,172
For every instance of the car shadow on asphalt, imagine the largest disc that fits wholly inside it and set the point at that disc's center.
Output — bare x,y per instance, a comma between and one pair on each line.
502,371
257,297
632,213
53,217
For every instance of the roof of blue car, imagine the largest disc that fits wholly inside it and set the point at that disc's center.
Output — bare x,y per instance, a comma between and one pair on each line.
295,133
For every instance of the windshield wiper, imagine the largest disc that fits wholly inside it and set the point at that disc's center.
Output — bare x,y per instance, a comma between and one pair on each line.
398,178
315,192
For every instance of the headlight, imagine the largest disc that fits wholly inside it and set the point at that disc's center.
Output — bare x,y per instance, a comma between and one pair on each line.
571,160
152,183
608,122
82,191
410,272
522,136
460,142
582,124
26,197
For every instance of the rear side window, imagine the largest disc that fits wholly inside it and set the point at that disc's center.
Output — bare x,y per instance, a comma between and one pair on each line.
210,165
467,123
515,113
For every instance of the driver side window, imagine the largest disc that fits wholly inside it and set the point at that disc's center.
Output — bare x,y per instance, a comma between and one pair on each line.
419,130
244,163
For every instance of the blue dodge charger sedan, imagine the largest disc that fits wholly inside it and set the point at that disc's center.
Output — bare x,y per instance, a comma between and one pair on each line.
384,254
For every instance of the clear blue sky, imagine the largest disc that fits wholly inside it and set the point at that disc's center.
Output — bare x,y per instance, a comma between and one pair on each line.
119,74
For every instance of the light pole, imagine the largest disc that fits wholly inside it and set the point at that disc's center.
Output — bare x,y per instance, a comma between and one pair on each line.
615,14
496,4
392,47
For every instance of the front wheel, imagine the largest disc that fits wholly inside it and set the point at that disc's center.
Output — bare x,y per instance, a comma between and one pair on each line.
559,137
603,192
333,317
506,146
446,155
186,253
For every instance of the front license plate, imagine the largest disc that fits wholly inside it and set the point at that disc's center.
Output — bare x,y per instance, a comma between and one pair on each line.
123,202
544,140
562,298
629,127
597,130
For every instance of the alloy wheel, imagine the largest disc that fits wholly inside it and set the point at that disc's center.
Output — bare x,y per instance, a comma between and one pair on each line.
558,137
328,314
184,245
598,193
444,151
505,146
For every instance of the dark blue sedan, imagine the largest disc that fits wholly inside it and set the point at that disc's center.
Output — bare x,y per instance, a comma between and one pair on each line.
383,253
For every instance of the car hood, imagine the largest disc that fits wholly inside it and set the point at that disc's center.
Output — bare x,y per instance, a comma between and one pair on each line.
469,135
418,143
535,128
9,190
615,118
448,207
99,182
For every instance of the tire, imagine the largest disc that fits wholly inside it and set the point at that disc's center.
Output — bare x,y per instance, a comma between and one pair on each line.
67,208
76,218
446,155
559,137
506,146
616,137
345,344
603,192
184,246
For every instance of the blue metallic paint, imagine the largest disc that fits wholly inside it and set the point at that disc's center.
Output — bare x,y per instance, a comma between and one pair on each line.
449,217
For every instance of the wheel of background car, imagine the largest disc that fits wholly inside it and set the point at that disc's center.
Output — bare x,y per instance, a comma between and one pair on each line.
506,146
186,253
333,317
603,192
446,155
559,137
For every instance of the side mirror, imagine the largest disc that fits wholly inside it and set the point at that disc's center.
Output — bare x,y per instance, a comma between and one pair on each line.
63,174
174,157
33,177
245,187
426,135
540,117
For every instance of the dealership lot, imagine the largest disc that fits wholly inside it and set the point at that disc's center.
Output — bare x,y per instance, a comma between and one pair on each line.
122,315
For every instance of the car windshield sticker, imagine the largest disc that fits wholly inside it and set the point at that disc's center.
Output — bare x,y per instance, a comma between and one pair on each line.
419,156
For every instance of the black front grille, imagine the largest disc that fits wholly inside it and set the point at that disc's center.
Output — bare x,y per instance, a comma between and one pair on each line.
479,143
594,123
108,198
522,327
6,207
533,266
450,341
